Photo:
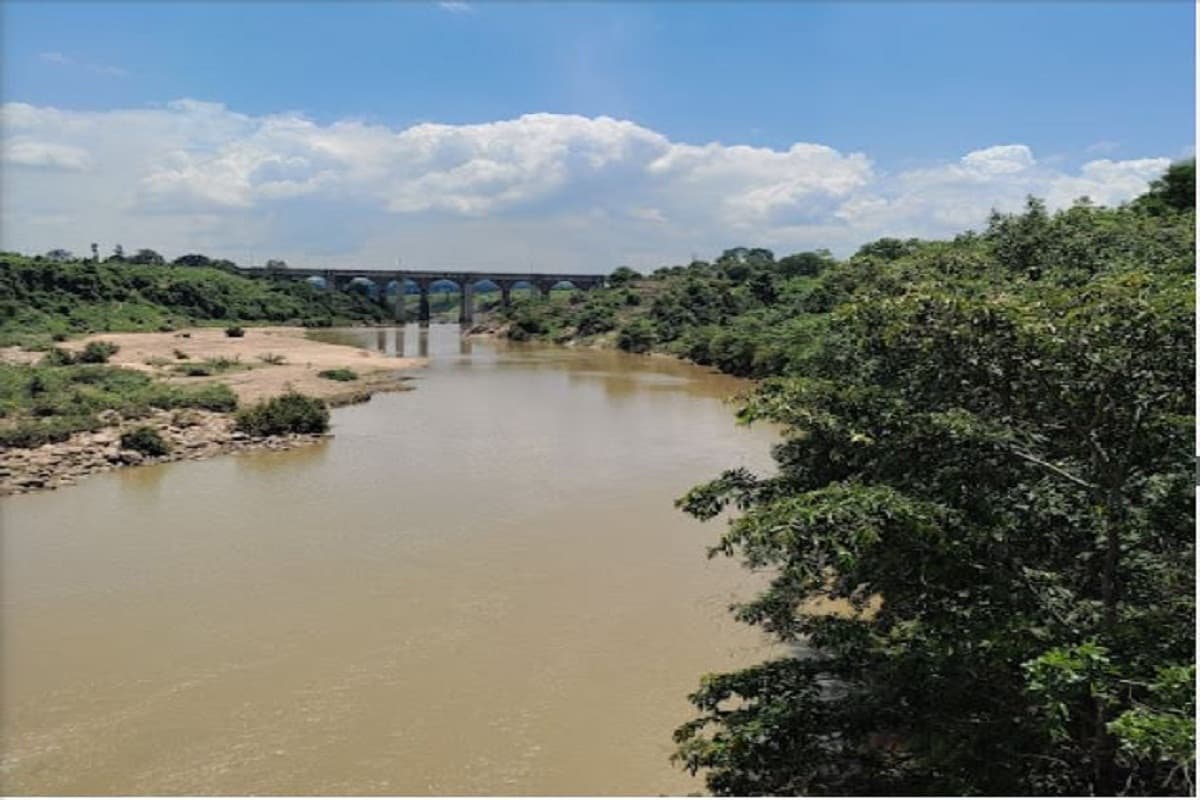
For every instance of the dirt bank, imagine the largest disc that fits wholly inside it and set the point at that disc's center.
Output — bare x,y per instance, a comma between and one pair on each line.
255,379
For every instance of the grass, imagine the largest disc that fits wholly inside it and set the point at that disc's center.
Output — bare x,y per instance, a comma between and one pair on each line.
41,404
338,374
272,358
210,367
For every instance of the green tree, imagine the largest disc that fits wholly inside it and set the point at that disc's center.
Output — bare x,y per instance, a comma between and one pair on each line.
989,472
147,256
1174,191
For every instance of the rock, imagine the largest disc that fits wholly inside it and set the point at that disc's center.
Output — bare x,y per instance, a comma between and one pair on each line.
130,457
108,416
239,436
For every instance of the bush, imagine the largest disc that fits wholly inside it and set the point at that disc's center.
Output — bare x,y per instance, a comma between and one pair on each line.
272,358
57,357
339,374
235,332
146,441
44,431
97,352
288,413
636,337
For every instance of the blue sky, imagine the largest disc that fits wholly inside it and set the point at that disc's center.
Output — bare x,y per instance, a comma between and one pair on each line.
913,89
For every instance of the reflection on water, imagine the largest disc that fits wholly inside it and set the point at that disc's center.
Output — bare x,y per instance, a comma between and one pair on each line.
480,586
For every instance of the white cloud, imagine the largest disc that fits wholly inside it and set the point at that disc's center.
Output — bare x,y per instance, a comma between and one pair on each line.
63,60
555,190
29,153
455,6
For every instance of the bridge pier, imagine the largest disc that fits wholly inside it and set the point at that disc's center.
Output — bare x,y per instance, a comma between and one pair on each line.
544,288
423,303
466,305
505,293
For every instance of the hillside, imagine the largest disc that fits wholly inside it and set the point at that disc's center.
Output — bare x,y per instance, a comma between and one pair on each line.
41,298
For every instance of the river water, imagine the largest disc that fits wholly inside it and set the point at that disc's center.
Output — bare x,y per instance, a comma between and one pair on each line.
477,587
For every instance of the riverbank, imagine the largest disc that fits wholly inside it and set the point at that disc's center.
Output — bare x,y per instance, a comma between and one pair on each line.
262,363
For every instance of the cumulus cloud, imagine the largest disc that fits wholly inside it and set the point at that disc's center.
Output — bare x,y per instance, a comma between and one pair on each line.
559,190
30,153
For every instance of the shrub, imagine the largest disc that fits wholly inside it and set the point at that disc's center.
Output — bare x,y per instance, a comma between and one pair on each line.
146,441
636,337
272,358
289,413
235,332
57,357
182,356
339,374
44,431
97,352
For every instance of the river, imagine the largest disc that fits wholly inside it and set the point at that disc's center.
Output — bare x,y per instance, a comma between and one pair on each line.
477,587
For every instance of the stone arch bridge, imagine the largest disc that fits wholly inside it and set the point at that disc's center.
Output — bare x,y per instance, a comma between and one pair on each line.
341,279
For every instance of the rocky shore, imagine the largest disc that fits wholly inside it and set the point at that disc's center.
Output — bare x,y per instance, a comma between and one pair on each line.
191,434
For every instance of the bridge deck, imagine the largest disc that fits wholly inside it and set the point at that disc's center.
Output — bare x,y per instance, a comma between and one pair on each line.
422,275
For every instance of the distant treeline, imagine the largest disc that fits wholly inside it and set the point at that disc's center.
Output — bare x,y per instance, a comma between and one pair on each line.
42,297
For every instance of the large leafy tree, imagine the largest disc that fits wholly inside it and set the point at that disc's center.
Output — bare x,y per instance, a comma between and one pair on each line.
988,470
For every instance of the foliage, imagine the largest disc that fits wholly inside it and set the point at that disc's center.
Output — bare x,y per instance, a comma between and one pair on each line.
636,337
272,358
338,374
289,413
97,352
235,331
988,469
40,298
145,440
40,404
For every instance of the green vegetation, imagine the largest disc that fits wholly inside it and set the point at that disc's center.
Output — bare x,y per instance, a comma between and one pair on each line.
235,331
42,300
289,413
92,353
338,374
209,367
988,462
146,441
41,404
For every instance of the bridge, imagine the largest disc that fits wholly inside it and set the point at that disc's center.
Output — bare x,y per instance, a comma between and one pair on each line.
341,279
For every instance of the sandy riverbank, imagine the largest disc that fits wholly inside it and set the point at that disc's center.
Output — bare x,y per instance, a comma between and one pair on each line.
302,359
196,434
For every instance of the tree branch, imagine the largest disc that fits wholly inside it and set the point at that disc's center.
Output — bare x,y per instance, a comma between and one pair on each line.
1032,459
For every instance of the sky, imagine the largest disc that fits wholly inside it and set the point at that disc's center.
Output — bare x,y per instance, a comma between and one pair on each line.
571,136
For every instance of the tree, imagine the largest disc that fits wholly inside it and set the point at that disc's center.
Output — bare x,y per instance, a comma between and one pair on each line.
95,252
276,264
118,253
981,530
623,276
810,264
59,254
192,260
147,256
1174,191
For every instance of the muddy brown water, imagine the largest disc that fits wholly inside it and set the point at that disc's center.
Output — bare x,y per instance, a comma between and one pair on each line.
477,587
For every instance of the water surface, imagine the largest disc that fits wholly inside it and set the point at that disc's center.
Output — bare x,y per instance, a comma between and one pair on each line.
480,586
